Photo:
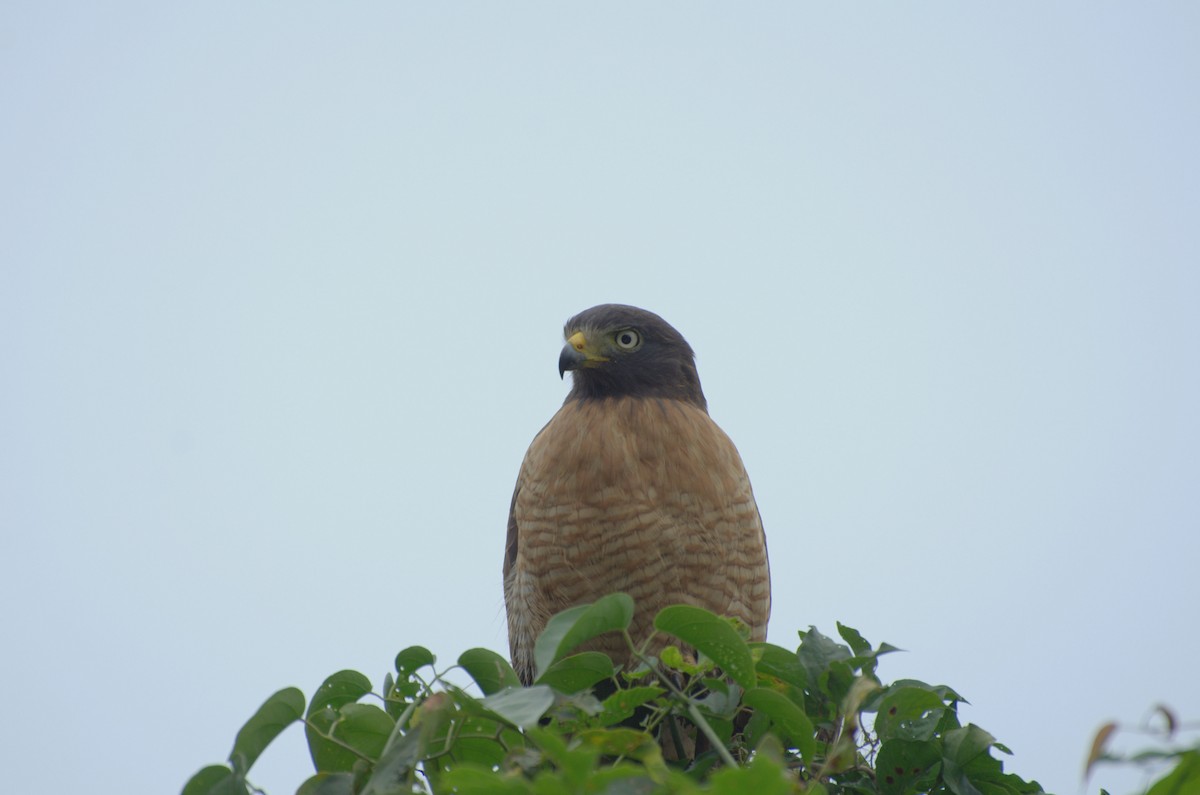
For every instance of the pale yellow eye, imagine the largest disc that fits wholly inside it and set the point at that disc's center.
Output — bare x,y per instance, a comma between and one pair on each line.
628,339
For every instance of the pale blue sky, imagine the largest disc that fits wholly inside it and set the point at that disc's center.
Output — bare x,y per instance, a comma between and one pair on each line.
281,289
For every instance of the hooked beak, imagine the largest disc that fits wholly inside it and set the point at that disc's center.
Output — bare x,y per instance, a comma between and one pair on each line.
577,353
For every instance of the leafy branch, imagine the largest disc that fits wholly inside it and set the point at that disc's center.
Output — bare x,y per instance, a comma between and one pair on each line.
711,713
1177,744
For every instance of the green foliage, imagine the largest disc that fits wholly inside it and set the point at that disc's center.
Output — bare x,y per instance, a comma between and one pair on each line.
1175,745
713,714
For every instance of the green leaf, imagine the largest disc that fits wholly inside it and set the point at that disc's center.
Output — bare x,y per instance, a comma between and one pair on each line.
392,774
622,780
763,776
722,701
858,644
277,713
964,752
328,784
622,704
477,734
215,780
838,680
903,765
817,653
778,662
343,687
577,672
672,657
489,670
629,743
1183,779
722,728
713,636
576,764
755,730
946,693
961,746
521,706
412,658
866,658
577,625
468,780
788,718
340,688
484,739
909,713
365,728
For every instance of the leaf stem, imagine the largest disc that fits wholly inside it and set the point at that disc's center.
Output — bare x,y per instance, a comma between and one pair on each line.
717,745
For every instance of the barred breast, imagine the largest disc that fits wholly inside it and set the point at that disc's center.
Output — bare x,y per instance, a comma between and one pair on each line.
642,495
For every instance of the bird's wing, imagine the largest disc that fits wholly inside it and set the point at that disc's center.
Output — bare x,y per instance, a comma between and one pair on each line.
510,544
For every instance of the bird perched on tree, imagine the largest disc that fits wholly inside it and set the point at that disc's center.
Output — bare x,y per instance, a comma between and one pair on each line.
631,487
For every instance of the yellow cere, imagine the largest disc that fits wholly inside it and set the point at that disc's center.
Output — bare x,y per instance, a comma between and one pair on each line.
579,342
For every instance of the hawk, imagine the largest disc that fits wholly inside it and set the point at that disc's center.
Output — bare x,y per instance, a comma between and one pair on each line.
631,487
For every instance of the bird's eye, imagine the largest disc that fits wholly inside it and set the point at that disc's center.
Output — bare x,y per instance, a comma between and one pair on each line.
628,339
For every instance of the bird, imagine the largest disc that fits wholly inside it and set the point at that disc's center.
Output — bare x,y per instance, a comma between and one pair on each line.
631,487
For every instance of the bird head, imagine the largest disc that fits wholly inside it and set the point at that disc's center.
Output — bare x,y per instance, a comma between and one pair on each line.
615,350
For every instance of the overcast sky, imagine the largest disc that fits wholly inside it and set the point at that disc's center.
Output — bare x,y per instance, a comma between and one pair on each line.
281,296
